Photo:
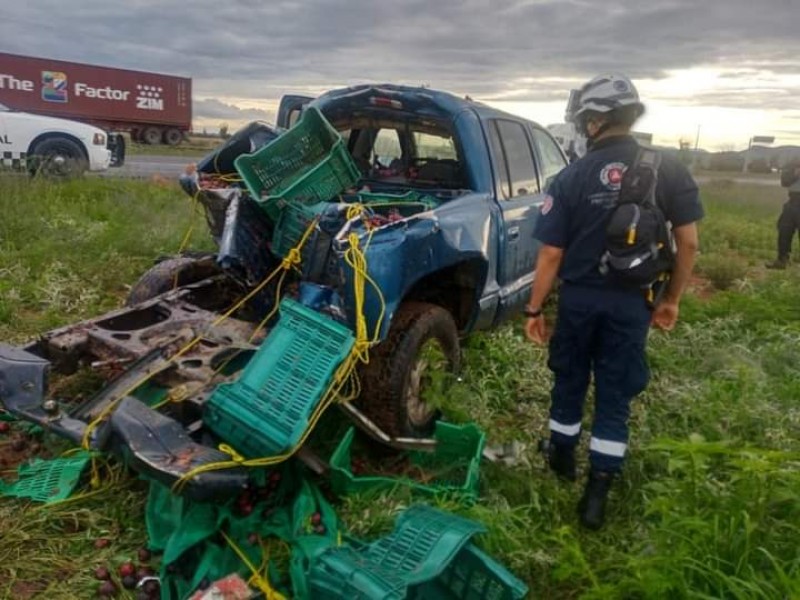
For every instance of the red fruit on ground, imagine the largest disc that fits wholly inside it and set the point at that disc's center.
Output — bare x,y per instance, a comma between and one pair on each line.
127,569
129,582
101,543
316,518
107,589
102,574
144,555
4,427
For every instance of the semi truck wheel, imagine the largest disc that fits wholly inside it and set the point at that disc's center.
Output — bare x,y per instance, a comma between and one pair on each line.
417,360
164,276
173,137
59,158
152,136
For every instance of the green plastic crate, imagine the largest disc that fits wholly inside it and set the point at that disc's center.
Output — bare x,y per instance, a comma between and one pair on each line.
307,164
473,575
460,445
292,224
428,557
266,411
47,480
411,197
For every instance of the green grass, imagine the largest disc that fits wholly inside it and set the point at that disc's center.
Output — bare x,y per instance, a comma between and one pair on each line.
709,506
194,147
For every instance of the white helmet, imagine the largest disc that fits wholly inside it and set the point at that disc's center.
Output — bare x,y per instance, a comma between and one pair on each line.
604,93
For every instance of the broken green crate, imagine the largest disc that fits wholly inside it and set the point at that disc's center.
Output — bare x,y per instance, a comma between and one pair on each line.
456,459
47,480
428,556
267,410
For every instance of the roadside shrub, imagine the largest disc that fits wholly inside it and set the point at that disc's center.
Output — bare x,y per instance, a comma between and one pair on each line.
722,269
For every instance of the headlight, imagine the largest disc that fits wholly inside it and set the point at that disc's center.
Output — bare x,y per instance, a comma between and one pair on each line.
99,139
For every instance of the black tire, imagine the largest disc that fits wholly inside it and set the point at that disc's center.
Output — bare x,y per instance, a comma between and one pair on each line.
173,137
152,136
394,381
58,158
163,277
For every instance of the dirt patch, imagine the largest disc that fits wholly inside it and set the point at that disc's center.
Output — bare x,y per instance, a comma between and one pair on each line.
17,447
702,287
23,590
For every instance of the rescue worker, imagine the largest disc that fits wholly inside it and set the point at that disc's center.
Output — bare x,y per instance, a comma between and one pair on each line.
601,326
789,221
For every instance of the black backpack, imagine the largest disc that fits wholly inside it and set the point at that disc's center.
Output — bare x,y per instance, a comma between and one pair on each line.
640,248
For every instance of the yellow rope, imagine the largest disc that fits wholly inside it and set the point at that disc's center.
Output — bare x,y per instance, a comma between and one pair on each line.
262,583
292,259
355,258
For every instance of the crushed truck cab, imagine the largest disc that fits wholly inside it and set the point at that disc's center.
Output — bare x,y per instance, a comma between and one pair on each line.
357,244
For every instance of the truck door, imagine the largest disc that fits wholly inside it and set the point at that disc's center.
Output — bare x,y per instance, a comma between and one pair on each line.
290,108
550,156
520,197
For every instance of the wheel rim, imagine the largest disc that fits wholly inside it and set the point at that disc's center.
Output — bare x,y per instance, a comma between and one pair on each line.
57,163
425,383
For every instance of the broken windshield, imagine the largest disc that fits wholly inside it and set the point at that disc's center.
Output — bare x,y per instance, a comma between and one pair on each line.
411,153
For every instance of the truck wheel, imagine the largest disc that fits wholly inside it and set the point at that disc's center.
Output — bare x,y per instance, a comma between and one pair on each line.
58,158
152,136
416,360
163,276
173,137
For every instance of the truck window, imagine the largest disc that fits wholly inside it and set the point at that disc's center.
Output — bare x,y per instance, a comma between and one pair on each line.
434,147
518,157
551,158
499,160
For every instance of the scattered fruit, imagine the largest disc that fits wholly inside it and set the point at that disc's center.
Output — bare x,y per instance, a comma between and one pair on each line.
127,569
102,574
152,587
129,582
4,427
143,572
316,518
144,555
107,589
320,529
101,543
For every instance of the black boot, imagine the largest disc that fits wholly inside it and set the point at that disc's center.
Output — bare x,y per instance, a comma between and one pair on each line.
592,506
780,263
560,459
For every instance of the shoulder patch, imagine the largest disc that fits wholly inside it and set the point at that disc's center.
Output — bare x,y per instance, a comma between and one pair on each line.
611,175
547,205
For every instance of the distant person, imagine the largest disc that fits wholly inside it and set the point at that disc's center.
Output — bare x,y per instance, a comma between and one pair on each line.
789,221
603,315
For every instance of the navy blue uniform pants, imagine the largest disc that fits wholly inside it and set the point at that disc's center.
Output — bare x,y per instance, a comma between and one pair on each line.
601,331
788,224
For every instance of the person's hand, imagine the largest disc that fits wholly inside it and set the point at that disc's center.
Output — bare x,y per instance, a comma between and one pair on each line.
665,315
536,330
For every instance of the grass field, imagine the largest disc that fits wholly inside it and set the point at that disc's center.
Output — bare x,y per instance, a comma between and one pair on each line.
194,146
709,506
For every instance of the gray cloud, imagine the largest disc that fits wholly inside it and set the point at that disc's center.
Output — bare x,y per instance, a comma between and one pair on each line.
214,109
257,49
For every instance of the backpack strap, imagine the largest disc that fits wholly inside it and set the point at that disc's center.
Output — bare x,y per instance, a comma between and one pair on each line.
641,178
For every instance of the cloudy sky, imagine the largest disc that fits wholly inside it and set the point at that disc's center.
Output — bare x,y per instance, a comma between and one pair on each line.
730,67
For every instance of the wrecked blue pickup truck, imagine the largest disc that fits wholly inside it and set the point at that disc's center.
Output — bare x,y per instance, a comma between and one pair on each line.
439,196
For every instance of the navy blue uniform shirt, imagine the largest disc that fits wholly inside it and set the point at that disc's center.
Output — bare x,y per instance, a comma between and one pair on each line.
583,195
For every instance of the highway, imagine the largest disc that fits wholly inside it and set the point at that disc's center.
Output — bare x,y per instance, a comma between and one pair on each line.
146,166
